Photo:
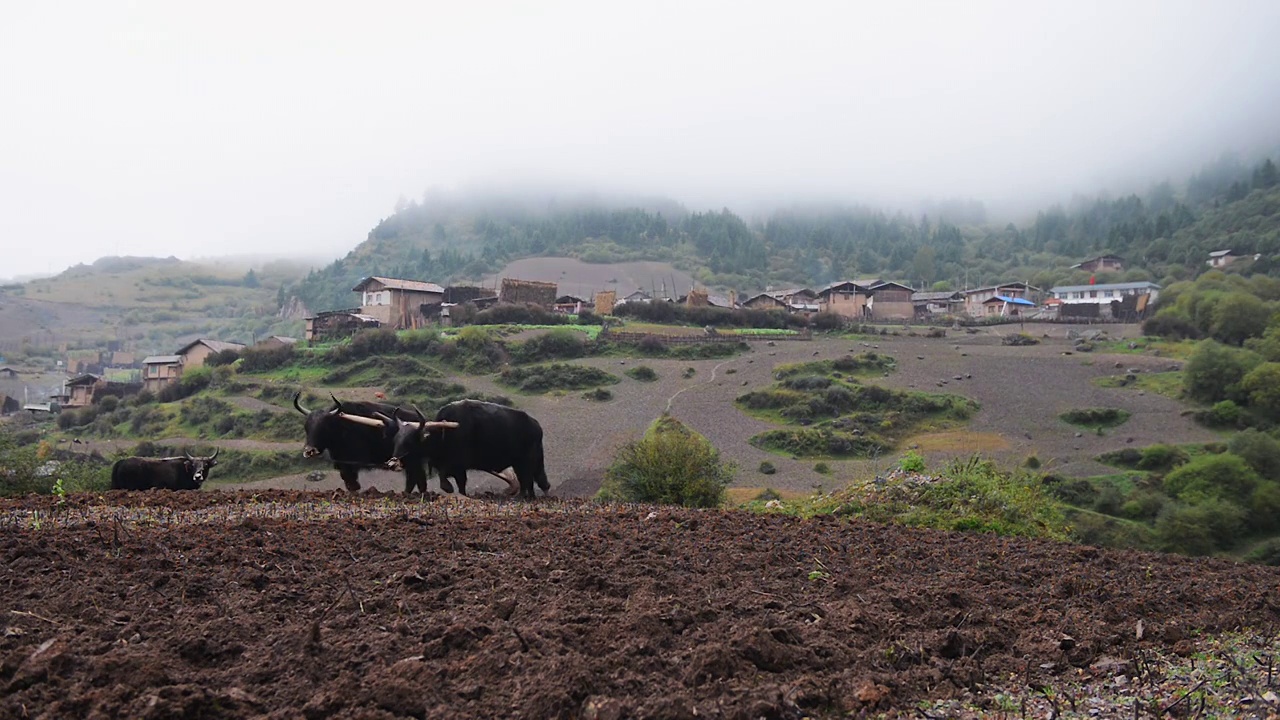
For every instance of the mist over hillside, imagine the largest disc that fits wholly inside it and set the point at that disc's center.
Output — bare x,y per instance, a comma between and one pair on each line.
1163,232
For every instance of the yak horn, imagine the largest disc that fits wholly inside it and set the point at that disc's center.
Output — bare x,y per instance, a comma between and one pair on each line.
301,409
362,420
421,417
337,405
215,453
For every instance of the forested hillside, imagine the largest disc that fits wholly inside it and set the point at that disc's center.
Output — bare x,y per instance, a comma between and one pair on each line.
1163,235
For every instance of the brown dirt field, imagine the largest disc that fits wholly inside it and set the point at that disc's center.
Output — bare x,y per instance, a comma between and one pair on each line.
287,605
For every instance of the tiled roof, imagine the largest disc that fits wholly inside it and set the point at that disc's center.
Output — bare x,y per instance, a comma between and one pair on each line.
399,284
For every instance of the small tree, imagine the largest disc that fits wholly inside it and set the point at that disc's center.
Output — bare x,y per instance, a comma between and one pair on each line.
671,465
1223,477
1214,372
1263,387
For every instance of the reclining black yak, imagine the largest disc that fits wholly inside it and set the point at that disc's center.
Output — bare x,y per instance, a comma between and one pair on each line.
171,473
472,435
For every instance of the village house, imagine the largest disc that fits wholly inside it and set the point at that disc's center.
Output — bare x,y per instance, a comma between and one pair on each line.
794,300
701,298
637,296
1102,263
397,303
891,301
1108,300
194,353
8,372
845,298
275,342
937,303
974,299
334,324
570,305
527,292
87,389
1004,306
160,370
1223,258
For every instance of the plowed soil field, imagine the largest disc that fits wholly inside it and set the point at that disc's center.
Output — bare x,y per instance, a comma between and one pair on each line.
310,605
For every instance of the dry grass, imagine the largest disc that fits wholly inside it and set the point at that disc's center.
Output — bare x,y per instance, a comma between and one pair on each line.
741,495
960,441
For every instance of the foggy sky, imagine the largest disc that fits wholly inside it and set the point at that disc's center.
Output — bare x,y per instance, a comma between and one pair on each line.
158,128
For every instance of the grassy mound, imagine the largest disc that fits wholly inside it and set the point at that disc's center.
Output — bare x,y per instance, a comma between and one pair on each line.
842,417
556,376
1095,417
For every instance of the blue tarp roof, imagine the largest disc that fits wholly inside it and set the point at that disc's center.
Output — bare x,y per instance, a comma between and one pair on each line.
1015,301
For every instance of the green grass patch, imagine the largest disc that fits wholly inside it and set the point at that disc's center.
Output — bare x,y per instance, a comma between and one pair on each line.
970,495
841,417
1168,384
1094,418
555,376
643,373
865,364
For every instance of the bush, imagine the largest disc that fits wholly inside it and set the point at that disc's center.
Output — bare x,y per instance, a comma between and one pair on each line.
828,321
559,344
1259,450
599,395
1199,529
1214,372
1095,417
1171,323
255,360
518,314
688,372
1267,553
670,465
1263,387
767,468
912,462
1161,458
1032,462
222,357
587,317
556,376
643,373
1019,340
1221,477
822,468
109,403
1075,491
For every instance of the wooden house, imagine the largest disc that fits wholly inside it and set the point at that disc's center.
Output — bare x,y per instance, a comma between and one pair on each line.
194,353
570,304
891,301
974,299
397,303
845,298
527,292
1003,306
275,342
934,304
160,370
80,390
1102,263
765,301
336,324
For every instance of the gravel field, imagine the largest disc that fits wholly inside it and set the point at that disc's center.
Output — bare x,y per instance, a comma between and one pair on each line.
1022,390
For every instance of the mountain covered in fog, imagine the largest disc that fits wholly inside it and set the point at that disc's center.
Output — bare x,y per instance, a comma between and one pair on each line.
1163,234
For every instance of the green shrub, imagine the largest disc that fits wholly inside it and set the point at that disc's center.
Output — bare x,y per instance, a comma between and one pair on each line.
599,395
767,468
1032,462
1262,384
767,494
256,360
222,357
1109,500
556,376
1214,372
1095,417
1259,450
1144,505
822,468
1222,477
1199,529
1266,553
670,465
558,344
1019,339
519,314
1161,458
1074,491
643,373
912,462
109,403
688,372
